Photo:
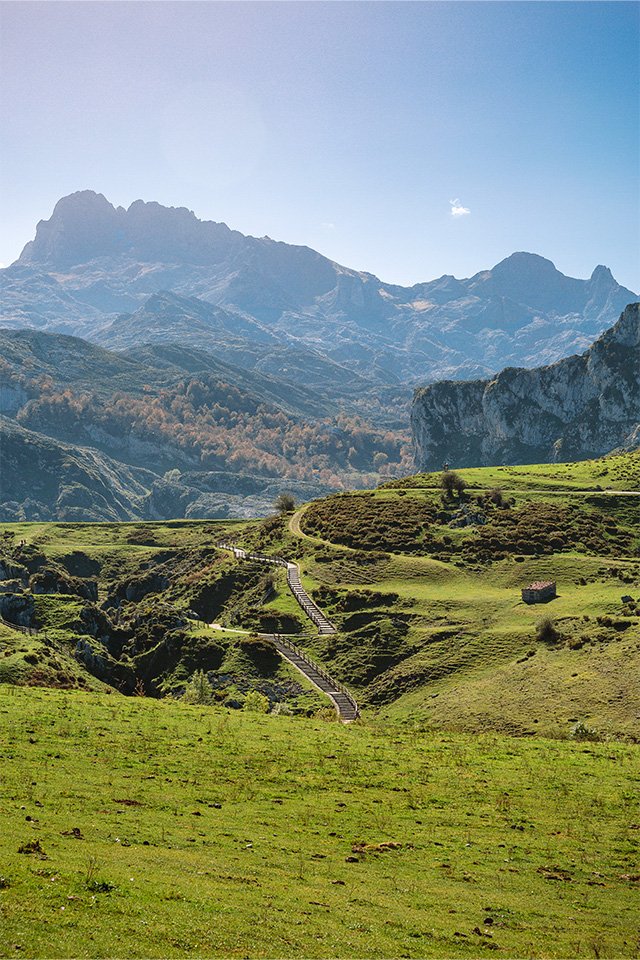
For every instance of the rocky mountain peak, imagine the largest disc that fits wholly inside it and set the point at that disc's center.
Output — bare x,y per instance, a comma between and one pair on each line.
580,407
602,274
83,202
528,278
522,264
85,226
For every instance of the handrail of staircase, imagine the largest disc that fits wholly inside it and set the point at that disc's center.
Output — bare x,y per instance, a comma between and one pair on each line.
323,673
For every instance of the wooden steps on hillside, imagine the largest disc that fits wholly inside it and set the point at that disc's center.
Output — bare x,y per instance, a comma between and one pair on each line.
345,704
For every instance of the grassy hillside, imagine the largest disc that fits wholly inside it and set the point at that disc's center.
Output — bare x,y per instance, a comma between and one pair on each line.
621,472
424,587
129,606
142,828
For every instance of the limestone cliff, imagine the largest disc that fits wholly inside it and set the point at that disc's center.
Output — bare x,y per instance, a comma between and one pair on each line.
579,407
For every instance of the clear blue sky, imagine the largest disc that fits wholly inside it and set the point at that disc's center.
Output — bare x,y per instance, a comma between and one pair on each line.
356,128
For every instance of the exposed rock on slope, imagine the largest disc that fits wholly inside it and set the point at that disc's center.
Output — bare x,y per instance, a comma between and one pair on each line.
44,479
580,407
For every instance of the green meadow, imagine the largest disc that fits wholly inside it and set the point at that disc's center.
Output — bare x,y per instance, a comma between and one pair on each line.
424,588
148,828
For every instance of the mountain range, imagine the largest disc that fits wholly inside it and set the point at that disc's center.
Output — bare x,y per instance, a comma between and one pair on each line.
199,371
92,268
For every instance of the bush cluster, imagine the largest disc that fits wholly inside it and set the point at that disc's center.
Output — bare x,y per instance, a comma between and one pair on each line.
372,523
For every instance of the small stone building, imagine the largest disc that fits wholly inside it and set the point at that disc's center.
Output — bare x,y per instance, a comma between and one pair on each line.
540,591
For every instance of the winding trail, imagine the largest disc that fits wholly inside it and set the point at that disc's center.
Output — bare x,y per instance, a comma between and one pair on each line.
343,701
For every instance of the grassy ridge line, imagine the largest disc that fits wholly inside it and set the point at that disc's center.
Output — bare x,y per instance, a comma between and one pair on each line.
621,472
174,831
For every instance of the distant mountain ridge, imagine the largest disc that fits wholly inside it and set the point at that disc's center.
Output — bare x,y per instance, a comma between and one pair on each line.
91,263
578,408
245,366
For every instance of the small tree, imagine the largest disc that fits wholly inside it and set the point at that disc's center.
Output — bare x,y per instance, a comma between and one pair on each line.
546,631
199,689
256,702
285,502
496,496
452,482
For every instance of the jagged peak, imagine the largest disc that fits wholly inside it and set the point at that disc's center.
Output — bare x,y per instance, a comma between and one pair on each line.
152,207
602,273
83,200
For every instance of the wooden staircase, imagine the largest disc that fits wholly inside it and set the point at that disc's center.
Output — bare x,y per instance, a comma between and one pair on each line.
345,704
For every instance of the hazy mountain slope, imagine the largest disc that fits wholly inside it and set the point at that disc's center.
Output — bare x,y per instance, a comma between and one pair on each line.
90,262
187,320
44,479
579,407
30,355
166,317
168,408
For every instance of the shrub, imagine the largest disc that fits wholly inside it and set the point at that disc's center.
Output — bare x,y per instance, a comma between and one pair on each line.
256,702
101,886
282,710
452,483
580,731
261,651
198,690
285,502
496,496
575,643
546,631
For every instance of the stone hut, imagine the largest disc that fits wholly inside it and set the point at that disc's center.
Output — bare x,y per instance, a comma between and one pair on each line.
541,591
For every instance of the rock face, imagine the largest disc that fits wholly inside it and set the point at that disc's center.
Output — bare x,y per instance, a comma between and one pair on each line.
580,407
43,478
18,608
94,270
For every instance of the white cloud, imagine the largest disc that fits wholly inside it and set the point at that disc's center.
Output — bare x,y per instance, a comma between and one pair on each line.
457,210
328,226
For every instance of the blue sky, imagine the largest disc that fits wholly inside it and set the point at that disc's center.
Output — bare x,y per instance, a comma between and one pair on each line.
408,139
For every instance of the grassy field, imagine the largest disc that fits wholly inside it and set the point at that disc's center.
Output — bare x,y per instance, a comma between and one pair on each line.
620,472
487,801
145,828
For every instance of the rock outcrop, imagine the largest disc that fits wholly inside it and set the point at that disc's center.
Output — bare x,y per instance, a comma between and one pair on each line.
580,407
